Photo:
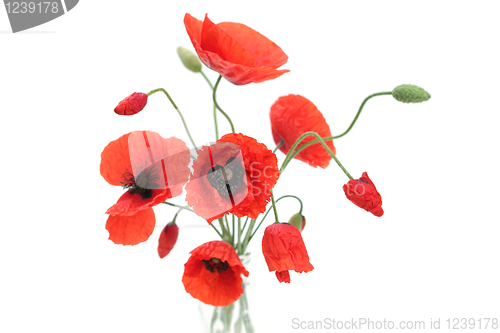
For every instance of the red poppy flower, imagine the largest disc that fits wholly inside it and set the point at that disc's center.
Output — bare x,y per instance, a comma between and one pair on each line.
294,115
284,250
238,53
142,162
132,104
213,274
234,175
363,193
168,238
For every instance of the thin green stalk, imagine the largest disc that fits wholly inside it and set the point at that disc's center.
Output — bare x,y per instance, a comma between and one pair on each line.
239,235
177,109
292,149
189,209
215,109
217,105
274,207
278,146
247,236
269,209
234,231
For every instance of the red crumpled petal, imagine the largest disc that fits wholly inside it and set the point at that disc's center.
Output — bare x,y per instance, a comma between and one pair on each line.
283,276
168,238
132,104
363,193
131,230
293,115
240,54
217,289
262,172
284,250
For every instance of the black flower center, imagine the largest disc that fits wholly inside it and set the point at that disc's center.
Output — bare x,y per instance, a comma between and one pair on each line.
143,183
215,264
227,179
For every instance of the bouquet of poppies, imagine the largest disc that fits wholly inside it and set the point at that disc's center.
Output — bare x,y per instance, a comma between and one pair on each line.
228,183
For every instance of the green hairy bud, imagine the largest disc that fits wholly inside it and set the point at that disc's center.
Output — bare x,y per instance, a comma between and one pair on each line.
408,93
189,59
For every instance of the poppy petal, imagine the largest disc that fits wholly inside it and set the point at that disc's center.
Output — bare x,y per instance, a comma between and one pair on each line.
293,115
131,230
115,161
283,276
168,238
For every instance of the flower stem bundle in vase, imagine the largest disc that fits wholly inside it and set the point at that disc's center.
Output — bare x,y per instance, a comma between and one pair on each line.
228,184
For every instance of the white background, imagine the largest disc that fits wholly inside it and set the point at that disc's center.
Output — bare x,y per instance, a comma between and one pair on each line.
434,253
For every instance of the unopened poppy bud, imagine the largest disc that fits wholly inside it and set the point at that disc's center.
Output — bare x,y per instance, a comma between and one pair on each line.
408,93
298,221
132,104
189,59
168,238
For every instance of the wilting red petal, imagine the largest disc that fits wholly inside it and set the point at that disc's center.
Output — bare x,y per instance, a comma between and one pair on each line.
261,173
168,238
363,193
293,115
283,276
284,250
132,104
240,54
131,230
218,288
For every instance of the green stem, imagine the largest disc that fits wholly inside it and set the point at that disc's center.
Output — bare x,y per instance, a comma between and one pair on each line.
274,207
292,149
359,111
304,146
181,207
189,209
239,235
217,105
177,109
278,146
269,209
215,109
247,236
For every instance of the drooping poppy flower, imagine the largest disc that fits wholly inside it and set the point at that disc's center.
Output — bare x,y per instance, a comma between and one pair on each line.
284,250
293,115
363,193
238,53
213,274
152,169
168,238
234,175
132,104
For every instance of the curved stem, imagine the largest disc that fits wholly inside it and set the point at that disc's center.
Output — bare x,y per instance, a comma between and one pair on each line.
292,149
269,209
215,109
359,111
189,209
274,207
177,109
348,129
217,105
278,146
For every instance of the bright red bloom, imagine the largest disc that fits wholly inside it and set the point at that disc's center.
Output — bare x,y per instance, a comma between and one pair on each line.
168,238
234,175
363,193
284,250
238,53
142,162
132,104
213,274
293,115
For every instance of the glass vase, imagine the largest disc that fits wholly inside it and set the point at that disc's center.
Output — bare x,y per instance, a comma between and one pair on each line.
233,318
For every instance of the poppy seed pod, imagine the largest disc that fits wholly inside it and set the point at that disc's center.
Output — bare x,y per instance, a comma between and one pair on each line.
298,221
408,93
168,238
189,59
